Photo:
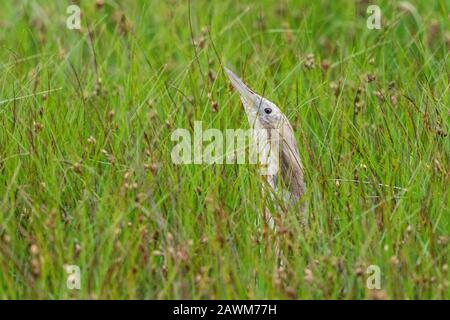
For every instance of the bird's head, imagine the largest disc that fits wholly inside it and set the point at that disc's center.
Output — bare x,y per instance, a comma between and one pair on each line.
259,110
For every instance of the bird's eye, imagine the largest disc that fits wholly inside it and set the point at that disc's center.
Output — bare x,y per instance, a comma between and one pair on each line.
268,110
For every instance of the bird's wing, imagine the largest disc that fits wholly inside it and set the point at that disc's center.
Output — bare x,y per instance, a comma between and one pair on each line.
291,166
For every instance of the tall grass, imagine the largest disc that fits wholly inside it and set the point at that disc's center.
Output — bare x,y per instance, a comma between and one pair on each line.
86,176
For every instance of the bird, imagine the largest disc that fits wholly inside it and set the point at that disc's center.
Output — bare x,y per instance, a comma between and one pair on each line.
262,114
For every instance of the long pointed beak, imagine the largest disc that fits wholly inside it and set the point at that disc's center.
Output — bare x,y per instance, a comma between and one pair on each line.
247,95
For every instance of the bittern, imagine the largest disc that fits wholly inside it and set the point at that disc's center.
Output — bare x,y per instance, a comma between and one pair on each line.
264,114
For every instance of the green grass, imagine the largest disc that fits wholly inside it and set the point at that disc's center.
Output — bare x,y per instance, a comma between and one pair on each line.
139,226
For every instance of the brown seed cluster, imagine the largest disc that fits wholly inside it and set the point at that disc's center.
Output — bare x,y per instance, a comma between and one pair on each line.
325,65
124,25
92,141
128,182
35,263
336,87
377,295
358,102
214,103
38,127
77,167
153,167
380,95
370,78
310,62
308,276
111,158
99,4
200,42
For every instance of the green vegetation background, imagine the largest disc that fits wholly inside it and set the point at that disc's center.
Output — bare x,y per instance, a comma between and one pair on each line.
86,176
